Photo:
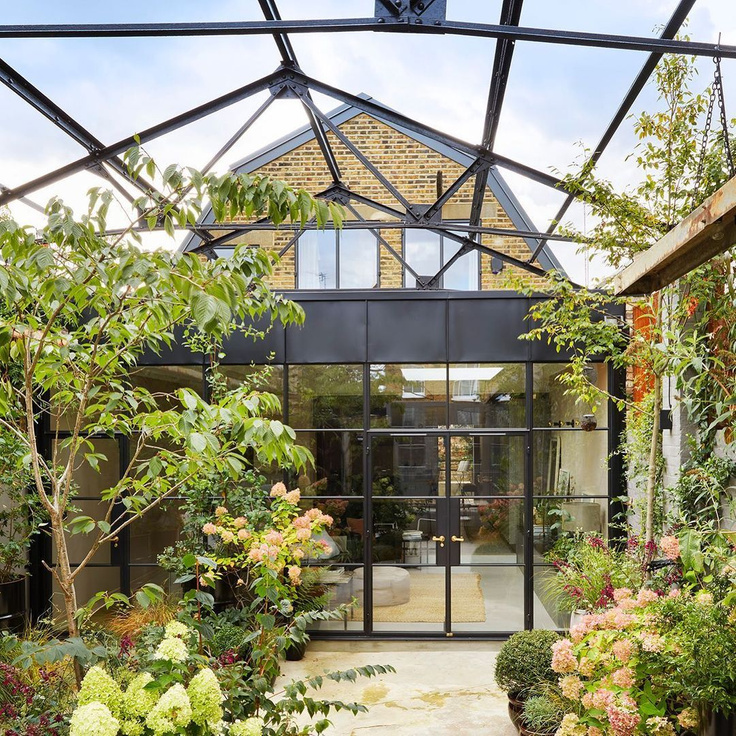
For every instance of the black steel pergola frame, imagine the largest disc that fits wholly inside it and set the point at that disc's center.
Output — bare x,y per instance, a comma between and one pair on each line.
289,81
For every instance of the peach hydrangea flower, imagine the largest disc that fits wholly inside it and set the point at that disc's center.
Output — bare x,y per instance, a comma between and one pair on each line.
243,534
274,537
313,514
209,528
302,522
295,574
620,594
571,686
624,677
227,536
240,522
623,649
220,511
293,497
563,660
277,490
670,546
303,534
646,596
688,718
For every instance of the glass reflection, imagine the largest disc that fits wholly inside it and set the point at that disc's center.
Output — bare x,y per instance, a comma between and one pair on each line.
338,464
162,381
346,536
408,395
487,599
262,378
403,531
408,599
412,465
570,463
487,395
326,396
559,517
492,530
317,259
487,465
553,407
358,259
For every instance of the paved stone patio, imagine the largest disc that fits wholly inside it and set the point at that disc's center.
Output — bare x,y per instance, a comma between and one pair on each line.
439,688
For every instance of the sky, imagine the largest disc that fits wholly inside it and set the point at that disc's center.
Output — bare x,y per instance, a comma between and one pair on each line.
559,98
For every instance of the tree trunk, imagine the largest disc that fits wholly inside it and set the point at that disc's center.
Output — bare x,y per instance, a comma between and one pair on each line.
68,590
652,474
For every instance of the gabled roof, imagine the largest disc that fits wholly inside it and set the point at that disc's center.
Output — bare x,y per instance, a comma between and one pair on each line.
496,183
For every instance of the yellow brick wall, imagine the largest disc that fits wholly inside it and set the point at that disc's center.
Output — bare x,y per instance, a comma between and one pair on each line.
412,168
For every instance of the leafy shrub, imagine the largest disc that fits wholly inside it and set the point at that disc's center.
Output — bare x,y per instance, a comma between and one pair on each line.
525,661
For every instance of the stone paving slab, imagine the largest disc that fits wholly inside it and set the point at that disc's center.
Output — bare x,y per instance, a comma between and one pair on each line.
439,688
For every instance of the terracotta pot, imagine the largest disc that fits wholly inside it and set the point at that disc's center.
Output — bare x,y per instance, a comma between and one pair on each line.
516,710
524,731
13,612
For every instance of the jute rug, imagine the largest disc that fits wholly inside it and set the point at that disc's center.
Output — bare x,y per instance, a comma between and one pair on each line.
427,603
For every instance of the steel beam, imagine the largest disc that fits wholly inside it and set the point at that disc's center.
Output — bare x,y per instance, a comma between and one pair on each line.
156,131
669,31
510,16
395,193
448,194
477,30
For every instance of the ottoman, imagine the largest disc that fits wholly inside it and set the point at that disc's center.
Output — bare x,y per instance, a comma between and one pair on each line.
391,585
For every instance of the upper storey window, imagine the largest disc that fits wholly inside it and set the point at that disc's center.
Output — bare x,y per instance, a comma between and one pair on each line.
337,259
426,252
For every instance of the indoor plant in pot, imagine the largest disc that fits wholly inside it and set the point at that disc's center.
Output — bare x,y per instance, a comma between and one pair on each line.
19,523
524,663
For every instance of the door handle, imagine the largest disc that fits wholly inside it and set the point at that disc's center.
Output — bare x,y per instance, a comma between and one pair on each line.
441,540
457,539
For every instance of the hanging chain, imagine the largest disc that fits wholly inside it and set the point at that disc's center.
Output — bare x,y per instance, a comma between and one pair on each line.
716,95
718,85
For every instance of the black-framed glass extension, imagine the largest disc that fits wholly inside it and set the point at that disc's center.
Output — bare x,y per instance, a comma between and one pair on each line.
448,481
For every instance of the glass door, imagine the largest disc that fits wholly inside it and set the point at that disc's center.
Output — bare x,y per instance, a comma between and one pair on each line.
485,507
447,533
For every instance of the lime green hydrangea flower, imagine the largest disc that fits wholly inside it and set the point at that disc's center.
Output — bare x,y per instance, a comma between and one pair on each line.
131,728
176,628
173,711
99,687
137,701
93,719
206,698
248,727
173,649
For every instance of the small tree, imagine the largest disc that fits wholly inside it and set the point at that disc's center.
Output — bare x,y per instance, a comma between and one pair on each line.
681,320
79,307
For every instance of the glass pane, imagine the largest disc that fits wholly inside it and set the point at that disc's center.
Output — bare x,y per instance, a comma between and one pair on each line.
408,466
547,613
139,576
493,531
422,253
317,264
338,464
570,463
487,599
487,465
341,588
155,530
463,274
326,396
358,260
553,408
346,536
163,380
403,531
408,395
487,395
557,517
264,378
408,599
90,482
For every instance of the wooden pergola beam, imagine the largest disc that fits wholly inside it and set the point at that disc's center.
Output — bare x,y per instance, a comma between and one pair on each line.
708,230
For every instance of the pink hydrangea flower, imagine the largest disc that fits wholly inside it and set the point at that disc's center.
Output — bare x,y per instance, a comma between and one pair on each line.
670,546
602,698
227,536
302,522
623,649
651,642
623,722
624,677
295,574
313,514
220,511
243,534
594,731
571,686
620,594
240,522
277,490
646,596
209,528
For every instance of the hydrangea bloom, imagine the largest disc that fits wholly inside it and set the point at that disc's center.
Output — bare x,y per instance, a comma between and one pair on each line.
173,649
670,546
177,628
277,490
623,650
173,711
688,718
99,687
571,687
131,728
624,677
205,697
248,727
571,726
659,726
137,701
93,719
563,660
209,528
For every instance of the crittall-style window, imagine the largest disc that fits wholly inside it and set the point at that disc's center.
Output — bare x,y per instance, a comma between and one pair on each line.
426,252
337,259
